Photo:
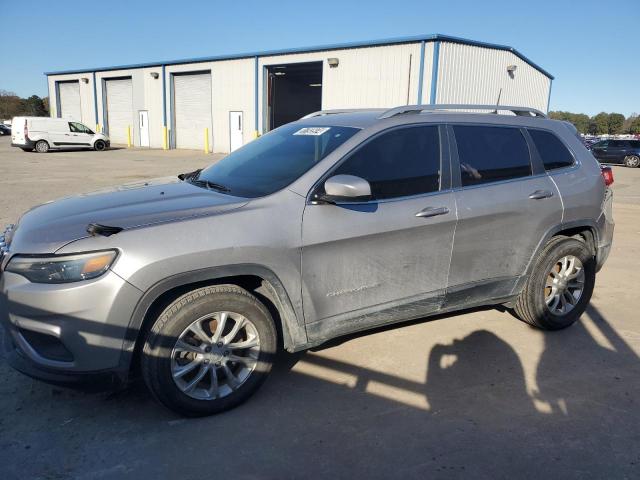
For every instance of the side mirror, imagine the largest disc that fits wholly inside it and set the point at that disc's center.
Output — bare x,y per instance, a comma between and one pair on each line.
345,188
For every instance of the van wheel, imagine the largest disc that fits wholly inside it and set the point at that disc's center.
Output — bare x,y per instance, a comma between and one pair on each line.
42,146
209,351
632,161
99,145
560,286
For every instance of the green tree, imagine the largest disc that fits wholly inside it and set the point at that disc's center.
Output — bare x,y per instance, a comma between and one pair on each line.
34,107
616,121
599,125
581,121
635,126
10,105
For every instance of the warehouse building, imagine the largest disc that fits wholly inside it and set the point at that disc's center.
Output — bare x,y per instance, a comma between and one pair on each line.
219,103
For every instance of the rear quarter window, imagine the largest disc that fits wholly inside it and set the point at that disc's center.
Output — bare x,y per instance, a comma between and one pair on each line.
553,152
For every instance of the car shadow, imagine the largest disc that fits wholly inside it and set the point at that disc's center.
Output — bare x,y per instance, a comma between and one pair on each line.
474,413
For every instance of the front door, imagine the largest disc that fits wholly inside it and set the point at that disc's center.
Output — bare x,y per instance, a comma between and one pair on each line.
79,136
600,150
143,123
375,262
505,207
235,130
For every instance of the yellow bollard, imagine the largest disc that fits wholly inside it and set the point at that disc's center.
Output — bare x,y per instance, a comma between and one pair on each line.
98,128
128,136
206,140
256,134
165,138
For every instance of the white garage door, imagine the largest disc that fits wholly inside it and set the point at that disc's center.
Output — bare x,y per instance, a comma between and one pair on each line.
119,109
70,100
192,103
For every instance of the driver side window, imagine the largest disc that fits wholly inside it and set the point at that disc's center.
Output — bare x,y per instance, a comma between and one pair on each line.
399,163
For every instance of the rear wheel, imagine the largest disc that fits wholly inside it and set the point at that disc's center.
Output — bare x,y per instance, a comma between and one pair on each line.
42,146
560,286
209,350
632,161
100,145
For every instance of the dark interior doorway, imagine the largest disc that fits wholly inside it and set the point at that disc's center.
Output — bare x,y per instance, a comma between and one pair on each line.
293,90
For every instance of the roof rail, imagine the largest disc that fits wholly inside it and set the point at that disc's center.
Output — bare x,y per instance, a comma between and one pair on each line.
321,113
520,111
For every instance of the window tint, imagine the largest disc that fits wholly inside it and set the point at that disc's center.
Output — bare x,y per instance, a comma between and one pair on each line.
553,152
490,154
399,163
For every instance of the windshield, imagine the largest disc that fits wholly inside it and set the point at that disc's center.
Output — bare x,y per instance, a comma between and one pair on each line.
275,160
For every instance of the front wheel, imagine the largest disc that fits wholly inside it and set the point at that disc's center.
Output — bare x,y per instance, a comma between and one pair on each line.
560,285
209,351
100,145
632,161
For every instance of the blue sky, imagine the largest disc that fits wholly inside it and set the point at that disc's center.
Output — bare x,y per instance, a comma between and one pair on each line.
591,47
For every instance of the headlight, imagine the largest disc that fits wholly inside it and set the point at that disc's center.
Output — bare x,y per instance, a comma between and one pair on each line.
63,268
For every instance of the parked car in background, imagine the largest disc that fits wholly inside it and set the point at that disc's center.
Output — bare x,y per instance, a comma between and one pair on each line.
44,134
626,152
4,130
340,222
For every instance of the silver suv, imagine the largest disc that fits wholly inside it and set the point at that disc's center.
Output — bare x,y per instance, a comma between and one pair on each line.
339,222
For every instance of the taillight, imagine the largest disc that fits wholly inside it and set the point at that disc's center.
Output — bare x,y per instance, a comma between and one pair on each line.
26,131
607,175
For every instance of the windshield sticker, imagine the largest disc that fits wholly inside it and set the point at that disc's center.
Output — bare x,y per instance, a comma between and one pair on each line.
315,131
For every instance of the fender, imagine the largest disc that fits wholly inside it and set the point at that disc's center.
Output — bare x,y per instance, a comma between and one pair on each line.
293,328
584,223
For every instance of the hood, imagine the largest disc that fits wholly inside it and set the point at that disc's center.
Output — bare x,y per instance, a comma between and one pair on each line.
48,227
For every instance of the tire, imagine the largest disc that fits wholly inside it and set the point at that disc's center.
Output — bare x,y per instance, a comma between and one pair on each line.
99,146
531,305
632,161
171,347
42,146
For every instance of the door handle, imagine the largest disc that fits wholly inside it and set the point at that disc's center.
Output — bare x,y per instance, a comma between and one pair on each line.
540,194
432,212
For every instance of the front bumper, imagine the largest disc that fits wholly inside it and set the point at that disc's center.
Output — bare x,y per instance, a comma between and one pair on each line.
67,333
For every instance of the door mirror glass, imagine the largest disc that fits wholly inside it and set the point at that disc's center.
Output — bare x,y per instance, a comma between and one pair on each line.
346,187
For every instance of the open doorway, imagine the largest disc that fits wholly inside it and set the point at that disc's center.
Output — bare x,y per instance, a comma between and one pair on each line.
293,90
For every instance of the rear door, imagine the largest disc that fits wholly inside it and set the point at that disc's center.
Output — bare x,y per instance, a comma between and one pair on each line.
374,262
617,150
506,204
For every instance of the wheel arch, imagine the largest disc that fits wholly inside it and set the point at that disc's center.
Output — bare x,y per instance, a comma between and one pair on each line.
585,229
258,280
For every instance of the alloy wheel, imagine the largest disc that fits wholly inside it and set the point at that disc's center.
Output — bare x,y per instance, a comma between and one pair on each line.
564,285
215,355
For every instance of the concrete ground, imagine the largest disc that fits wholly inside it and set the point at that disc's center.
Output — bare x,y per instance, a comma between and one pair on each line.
477,395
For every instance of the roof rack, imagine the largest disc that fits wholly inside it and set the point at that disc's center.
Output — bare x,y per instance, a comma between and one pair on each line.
321,113
519,111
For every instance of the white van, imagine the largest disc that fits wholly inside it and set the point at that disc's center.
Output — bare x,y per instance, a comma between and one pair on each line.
44,133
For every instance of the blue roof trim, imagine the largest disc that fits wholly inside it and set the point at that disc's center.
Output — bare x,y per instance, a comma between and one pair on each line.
335,46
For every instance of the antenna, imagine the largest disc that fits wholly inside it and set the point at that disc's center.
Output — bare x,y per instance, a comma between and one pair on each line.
498,102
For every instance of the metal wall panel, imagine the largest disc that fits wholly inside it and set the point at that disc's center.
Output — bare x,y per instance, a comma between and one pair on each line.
383,76
70,106
119,94
469,74
192,109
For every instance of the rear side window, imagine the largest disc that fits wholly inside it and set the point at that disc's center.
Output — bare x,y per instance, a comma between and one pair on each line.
491,154
398,163
553,152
